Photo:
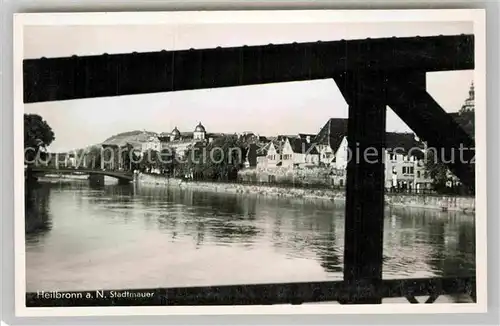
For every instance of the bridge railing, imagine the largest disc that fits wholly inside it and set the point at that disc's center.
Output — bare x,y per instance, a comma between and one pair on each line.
262,294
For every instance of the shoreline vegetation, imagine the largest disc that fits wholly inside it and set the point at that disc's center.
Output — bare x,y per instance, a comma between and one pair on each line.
465,204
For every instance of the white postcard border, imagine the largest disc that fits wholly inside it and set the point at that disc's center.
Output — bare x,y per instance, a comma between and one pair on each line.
477,16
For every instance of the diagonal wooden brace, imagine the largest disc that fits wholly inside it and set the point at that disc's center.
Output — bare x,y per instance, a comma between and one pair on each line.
409,99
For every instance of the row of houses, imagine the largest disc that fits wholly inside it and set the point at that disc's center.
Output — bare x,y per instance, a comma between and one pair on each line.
403,155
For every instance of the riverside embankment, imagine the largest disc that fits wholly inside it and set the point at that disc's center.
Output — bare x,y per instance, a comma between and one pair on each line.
426,201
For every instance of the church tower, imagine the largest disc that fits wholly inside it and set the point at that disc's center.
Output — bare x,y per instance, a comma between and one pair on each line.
469,102
199,132
175,134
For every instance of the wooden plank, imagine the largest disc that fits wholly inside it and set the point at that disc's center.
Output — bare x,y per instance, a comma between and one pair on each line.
364,219
56,79
256,294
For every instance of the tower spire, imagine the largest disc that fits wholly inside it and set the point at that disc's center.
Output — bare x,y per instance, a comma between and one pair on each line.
469,102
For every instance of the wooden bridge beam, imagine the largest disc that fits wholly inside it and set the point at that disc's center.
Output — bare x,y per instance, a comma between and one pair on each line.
364,219
56,79
408,97
260,294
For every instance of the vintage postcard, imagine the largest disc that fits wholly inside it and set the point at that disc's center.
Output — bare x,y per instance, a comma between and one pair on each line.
250,162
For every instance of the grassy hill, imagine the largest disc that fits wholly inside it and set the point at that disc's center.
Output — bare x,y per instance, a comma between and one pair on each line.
132,137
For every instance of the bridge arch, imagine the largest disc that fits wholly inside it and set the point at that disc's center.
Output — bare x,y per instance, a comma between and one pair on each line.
121,176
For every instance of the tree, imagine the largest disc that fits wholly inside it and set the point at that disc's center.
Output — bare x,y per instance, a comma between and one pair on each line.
438,171
219,160
150,160
93,157
127,156
136,161
37,135
465,119
168,161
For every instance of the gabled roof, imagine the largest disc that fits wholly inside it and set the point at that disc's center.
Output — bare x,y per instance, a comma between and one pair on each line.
332,133
278,146
301,146
402,142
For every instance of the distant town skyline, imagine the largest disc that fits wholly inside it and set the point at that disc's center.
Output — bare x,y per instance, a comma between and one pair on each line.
272,109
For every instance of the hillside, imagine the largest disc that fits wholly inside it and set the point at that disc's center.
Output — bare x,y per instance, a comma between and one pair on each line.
131,137
134,137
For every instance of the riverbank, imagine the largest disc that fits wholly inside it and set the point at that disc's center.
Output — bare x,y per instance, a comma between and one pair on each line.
438,202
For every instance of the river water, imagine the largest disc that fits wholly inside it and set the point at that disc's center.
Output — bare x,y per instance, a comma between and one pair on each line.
80,237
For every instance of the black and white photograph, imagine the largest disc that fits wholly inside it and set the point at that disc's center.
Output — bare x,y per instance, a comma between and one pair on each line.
289,160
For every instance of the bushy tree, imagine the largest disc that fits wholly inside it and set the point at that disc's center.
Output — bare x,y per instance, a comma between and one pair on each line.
150,160
37,135
93,157
169,161
218,160
437,172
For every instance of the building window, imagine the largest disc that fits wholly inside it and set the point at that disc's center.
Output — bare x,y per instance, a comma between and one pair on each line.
418,174
412,170
404,169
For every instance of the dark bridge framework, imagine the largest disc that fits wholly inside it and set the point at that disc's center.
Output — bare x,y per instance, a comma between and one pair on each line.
370,73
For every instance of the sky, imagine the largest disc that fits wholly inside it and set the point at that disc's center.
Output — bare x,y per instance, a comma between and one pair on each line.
281,108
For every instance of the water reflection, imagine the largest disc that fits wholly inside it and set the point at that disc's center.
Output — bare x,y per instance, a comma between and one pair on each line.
83,237
37,218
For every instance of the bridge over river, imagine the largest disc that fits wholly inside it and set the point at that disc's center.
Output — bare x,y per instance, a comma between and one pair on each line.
95,175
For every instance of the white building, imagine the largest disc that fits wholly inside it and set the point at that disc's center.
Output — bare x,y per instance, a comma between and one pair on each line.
274,154
331,143
181,142
152,143
404,167
298,152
